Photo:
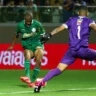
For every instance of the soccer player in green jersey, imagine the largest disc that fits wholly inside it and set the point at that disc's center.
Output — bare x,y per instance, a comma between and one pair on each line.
30,31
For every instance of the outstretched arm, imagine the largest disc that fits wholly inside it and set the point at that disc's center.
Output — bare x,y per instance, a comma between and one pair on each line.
59,29
47,36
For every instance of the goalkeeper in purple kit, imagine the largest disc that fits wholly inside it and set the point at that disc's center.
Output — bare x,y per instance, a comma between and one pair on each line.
79,32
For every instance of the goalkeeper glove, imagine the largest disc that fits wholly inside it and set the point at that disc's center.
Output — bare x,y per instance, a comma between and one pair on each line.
44,38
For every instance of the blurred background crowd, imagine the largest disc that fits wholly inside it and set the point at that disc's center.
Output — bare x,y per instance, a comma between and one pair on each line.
47,11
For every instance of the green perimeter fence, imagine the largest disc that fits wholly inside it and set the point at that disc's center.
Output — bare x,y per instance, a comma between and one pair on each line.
45,14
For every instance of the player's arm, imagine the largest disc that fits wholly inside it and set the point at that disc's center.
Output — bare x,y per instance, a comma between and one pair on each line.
47,36
93,26
14,39
41,29
58,29
13,42
64,26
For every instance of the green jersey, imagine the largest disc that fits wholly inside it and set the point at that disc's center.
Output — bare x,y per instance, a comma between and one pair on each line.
30,34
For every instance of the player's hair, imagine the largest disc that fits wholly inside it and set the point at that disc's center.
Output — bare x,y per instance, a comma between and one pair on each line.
28,13
83,8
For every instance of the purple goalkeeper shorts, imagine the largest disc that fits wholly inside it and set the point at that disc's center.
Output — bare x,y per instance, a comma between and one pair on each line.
83,53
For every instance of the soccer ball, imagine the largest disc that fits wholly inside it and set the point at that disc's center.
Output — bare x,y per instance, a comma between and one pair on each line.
38,80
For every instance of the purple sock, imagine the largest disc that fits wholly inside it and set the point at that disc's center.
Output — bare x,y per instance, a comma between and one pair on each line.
51,74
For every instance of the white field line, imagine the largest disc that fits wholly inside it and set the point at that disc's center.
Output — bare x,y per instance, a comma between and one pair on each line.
74,89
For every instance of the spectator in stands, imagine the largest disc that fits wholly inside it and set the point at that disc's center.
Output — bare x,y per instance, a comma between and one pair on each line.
41,2
67,10
46,12
0,12
21,3
77,2
3,13
32,7
0,4
80,2
84,3
56,14
90,2
20,11
11,11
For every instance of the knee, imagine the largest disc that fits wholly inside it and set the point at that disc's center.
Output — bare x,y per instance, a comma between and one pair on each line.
62,66
28,54
39,53
27,57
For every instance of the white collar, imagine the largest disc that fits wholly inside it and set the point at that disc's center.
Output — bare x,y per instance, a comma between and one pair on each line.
32,22
82,16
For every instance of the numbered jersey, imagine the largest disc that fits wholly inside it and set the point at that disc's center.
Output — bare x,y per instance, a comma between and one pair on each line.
79,31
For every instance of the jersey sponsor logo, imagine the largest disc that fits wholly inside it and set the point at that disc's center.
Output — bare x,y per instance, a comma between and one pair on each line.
23,30
79,21
25,35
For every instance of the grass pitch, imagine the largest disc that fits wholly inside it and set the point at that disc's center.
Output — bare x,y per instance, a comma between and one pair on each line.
69,83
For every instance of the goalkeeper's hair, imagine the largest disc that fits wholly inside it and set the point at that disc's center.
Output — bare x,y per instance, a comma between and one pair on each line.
85,8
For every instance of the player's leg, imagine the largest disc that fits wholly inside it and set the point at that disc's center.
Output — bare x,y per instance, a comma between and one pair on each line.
67,60
60,68
38,56
57,71
90,54
86,53
28,54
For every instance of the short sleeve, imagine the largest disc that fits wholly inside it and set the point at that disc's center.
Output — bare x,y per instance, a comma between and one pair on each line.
67,24
41,29
91,22
18,29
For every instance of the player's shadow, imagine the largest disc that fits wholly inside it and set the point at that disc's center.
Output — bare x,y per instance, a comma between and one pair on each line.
63,90
24,86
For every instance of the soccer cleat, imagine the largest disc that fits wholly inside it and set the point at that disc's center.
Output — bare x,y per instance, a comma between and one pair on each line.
38,87
38,80
25,79
32,84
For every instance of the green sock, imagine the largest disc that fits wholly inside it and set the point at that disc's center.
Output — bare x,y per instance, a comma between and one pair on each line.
27,68
35,74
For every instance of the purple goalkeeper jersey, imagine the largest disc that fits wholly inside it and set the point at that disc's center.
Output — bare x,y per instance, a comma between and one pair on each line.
79,31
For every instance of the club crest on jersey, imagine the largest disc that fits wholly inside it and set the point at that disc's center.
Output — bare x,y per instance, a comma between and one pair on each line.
33,30
79,21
